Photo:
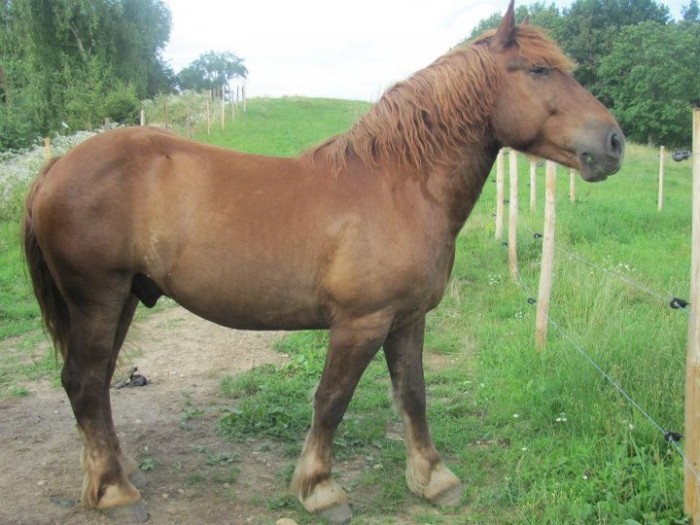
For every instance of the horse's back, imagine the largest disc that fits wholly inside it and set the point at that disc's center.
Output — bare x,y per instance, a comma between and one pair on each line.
227,234
244,240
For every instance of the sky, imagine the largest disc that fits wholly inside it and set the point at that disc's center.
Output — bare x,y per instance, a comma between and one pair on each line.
325,48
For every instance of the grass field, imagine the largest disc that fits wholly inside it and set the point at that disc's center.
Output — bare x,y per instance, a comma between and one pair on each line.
538,437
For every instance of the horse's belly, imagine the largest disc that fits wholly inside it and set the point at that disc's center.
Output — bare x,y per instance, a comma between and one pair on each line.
253,305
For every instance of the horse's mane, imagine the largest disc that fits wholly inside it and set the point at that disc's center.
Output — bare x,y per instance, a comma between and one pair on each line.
431,116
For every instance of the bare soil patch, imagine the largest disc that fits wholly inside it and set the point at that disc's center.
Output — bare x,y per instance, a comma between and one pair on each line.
169,426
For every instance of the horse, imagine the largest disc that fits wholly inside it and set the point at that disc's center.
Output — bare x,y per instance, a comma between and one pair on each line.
356,235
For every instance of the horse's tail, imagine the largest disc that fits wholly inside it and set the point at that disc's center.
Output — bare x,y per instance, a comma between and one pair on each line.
54,310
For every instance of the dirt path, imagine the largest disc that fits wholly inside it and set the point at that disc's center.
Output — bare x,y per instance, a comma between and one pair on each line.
196,476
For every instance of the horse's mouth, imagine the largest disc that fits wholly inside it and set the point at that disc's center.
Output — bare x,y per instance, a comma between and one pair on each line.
600,155
597,168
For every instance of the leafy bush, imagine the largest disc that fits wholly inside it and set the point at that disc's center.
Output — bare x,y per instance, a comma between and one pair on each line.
122,105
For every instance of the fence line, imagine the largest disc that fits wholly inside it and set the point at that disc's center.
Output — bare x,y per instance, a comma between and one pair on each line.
691,497
533,184
671,437
660,200
513,214
500,169
691,457
547,262
668,299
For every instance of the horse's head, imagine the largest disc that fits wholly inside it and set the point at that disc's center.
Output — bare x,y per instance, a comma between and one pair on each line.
540,109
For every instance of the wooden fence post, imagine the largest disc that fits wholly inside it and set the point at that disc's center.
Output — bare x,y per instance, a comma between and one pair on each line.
47,149
208,117
223,111
661,178
513,215
165,112
547,264
572,185
533,184
142,119
500,169
691,498
245,100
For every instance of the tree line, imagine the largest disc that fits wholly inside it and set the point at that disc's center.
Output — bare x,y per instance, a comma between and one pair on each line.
69,64
632,56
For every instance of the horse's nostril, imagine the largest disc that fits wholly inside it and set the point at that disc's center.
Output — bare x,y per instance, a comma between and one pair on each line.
617,144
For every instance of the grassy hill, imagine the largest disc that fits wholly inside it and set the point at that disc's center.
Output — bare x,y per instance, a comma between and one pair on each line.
537,436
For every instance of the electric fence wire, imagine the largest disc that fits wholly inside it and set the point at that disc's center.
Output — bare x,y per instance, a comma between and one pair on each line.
670,437
669,299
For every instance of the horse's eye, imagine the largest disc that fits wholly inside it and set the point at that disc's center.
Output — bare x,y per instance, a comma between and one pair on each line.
540,71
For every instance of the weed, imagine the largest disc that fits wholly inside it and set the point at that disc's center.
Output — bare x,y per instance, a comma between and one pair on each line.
147,463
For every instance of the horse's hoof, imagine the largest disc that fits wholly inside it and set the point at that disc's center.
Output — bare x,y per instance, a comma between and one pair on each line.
133,513
450,498
337,515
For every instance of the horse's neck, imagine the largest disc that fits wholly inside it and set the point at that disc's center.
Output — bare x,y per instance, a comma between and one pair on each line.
458,186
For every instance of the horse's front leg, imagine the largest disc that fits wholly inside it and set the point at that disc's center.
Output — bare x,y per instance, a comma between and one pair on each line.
352,346
426,475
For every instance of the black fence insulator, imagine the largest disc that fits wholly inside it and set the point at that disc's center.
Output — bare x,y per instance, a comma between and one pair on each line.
504,243
680,155
531,300
673,437
537,235
677,303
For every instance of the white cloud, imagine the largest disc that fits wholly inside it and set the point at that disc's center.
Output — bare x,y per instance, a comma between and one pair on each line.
320,47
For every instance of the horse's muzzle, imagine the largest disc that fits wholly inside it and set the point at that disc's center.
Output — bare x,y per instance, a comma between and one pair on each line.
599,157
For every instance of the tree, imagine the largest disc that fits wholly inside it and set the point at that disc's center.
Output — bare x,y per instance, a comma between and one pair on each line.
691,12
71,60
211,70
591,26
650,76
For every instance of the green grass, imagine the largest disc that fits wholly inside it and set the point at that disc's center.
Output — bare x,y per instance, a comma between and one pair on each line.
285,126
18,310
538,437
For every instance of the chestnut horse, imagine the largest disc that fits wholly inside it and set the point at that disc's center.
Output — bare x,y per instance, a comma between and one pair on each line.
356,235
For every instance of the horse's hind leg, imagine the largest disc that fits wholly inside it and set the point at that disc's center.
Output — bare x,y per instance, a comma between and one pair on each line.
86,377
426,475
129,465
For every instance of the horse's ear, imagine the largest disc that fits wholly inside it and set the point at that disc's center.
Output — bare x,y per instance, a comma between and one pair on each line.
505,34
